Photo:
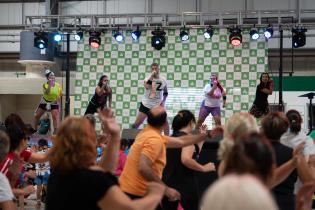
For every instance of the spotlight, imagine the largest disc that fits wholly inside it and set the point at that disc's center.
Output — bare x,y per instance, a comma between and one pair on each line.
298,37
254,35
208,33
183,35
40,40
235,36
78,36
268,32
95,39
158,39
136,34
118,36
57,37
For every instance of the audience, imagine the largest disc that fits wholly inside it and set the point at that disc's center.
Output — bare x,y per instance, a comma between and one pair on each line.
179,172
238,192
273,126
77,182
6,195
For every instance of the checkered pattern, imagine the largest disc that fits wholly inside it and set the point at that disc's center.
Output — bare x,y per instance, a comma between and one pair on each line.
186,66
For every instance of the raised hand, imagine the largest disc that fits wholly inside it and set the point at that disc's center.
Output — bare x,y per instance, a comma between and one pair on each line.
109,122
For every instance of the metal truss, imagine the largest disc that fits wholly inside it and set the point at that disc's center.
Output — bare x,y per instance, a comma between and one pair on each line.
275,18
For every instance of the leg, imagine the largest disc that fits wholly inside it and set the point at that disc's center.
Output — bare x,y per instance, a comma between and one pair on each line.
203,114
139,120
39,112
55,117
216,113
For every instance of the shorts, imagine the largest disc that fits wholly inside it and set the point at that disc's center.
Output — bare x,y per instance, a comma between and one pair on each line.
206,110
52,106
42,179
143,109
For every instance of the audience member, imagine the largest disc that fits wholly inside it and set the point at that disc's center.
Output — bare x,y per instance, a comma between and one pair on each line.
181,164
122,157
6,195
147,156
241,192
77,182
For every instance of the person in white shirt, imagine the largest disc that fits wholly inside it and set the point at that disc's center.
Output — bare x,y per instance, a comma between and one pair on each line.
155,95
212,102
6,195
294,136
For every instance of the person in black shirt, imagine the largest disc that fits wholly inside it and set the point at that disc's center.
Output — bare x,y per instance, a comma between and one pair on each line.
103,93
76,182
273,126
260,106
179,172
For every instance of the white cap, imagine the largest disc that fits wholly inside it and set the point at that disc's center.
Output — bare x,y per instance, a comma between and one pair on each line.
48,72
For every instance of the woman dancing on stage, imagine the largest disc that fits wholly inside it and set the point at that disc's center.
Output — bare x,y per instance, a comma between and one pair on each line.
260,106
103,93
212,102
50,100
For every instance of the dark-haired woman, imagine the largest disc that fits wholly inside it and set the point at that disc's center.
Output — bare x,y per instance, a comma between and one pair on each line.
103,93
294,135
260,106
181,165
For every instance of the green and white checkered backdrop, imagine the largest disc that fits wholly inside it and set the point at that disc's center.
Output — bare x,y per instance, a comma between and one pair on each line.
186,66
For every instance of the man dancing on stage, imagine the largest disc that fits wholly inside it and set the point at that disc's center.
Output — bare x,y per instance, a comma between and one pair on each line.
155,95
212,102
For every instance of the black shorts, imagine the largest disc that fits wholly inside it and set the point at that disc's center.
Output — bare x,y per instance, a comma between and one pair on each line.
52,106
143,109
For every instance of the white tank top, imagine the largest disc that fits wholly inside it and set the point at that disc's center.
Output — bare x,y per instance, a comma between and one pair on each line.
151,102
212,101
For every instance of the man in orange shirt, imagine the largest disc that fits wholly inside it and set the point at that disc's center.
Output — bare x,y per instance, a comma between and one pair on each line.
147,156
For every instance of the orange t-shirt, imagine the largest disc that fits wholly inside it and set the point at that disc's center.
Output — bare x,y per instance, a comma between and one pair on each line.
152,144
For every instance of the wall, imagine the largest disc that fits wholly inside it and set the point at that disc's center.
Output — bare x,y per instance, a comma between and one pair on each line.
186,65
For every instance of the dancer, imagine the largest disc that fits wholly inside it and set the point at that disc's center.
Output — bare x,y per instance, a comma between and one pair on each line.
260,106
155,95
50,100
103,93
212,102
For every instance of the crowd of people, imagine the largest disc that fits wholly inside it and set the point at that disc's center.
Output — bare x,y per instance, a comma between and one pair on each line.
270,166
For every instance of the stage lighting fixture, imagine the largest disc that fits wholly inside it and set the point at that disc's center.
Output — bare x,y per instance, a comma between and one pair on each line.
118,36
208,33
254,35
158,39
40,40
57,36
268,32
95,39
183,34
235,36
298,37
136,34
78,36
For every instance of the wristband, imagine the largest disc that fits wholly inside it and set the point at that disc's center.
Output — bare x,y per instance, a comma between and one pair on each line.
149,82
224,98
165,93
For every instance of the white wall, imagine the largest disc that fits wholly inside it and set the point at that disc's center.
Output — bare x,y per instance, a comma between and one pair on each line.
292,100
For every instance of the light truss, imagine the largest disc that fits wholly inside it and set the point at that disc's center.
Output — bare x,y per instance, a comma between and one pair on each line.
277,18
